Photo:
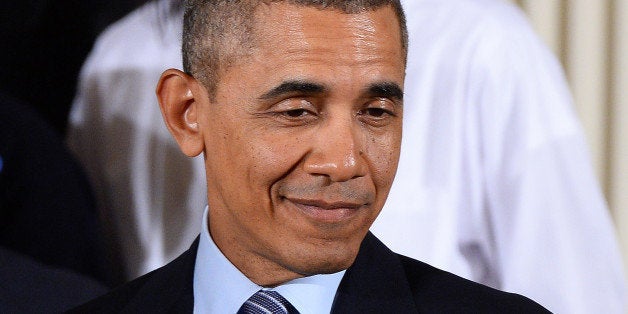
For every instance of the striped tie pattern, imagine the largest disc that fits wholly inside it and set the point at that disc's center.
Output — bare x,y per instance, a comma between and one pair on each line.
267,302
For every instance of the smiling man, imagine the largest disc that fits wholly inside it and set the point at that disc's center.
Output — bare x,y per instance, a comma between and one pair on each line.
297,109
301,138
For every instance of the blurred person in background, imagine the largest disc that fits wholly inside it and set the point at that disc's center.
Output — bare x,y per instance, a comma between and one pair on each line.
51,249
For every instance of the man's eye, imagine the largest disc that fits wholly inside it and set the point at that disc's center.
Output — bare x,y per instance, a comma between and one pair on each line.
376,112
296,113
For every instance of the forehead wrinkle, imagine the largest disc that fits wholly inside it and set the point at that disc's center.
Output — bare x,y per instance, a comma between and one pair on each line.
359,49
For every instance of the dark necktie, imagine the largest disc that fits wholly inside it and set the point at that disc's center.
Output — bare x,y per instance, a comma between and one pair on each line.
266,302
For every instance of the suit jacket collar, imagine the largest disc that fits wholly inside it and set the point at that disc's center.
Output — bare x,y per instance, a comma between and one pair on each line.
376,282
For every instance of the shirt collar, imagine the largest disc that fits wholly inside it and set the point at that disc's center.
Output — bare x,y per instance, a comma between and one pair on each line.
219,287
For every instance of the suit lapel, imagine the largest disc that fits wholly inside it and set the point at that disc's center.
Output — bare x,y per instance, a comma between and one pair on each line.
375,283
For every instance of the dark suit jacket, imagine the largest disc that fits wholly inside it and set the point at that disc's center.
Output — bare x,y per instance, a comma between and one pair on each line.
379,281
28,286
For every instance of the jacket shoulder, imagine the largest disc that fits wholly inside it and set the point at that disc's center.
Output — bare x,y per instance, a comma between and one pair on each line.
438,291
165,290
115,300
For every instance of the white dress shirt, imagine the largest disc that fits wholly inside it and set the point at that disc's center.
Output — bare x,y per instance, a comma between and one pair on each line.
219,287
494,182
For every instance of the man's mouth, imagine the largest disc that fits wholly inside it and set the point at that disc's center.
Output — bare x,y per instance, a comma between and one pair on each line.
326,211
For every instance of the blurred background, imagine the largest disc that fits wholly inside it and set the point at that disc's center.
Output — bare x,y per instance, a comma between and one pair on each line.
591,40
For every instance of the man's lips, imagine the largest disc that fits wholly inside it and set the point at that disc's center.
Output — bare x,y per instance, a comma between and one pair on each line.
326,211
326,205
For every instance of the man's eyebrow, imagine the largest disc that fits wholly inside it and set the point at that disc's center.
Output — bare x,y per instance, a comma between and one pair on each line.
385,89
290,87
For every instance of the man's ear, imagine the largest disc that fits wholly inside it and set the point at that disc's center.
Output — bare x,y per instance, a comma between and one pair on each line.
181,98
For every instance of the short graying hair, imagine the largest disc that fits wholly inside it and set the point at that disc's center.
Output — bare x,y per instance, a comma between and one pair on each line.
215,32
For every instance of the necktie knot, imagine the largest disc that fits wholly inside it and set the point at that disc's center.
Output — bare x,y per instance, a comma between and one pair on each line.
267,302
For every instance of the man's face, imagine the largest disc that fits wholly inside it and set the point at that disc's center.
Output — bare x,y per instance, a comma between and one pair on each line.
302,140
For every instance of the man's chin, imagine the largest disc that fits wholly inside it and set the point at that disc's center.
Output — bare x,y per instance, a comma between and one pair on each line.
324,262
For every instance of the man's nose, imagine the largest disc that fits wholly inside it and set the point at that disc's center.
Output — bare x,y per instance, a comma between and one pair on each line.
338,151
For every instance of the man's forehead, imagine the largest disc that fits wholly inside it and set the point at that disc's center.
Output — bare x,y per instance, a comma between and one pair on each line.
305,49
283,27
